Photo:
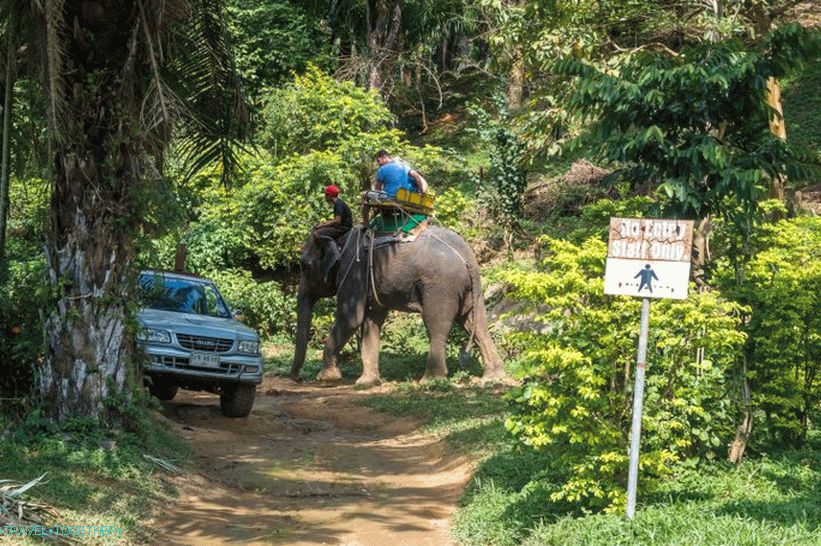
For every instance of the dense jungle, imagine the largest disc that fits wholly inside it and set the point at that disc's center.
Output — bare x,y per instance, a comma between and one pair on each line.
139,135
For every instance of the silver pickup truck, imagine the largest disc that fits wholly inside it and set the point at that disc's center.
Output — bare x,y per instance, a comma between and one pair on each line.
192,340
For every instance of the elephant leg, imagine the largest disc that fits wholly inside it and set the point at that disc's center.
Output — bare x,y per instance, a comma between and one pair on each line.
476,322
438,324
339,336
371,328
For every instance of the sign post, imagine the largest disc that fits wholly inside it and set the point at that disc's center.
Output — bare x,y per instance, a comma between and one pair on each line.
638,399
649,258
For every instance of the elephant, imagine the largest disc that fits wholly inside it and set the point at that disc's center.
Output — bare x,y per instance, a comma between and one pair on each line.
435,274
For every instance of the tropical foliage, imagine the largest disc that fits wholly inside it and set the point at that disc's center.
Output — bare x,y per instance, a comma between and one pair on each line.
577,364
695,125
131,128
780,287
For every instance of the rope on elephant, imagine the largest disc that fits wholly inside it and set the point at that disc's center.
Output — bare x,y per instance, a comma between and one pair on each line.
350,265
370,270
464,261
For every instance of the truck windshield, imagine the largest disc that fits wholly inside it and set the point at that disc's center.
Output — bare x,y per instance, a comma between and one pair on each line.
180,295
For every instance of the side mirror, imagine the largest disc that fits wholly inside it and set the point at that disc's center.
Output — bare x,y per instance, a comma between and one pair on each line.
236,314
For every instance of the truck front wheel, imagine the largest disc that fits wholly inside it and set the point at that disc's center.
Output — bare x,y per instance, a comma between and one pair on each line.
237,400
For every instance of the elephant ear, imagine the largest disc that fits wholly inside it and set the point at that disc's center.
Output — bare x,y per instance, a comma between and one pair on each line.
330,257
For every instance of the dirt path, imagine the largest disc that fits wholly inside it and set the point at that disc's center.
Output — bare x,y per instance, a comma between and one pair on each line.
309,466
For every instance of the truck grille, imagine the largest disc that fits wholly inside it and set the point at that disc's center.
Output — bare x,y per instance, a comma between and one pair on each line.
207,344
184,363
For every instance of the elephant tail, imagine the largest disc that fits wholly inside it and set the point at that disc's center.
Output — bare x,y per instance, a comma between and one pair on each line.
475,294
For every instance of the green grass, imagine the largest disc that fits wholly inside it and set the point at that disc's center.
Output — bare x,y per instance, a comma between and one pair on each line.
761,502
470,419
94,477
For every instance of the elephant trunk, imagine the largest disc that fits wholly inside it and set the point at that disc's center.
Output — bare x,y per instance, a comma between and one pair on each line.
305,307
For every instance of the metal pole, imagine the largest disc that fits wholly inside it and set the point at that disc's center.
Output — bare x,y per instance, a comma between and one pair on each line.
638,399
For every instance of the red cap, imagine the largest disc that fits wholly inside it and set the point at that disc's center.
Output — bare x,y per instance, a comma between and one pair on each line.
331,191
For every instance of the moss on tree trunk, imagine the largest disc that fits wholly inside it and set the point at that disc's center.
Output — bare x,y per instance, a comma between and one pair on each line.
96,85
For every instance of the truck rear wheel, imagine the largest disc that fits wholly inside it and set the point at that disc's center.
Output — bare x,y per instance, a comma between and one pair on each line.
237,400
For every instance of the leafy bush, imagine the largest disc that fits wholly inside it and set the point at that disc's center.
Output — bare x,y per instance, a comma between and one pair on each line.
576,371
442,168
315,112
595,217
279,204
23,287
457,211
780,284
323,132
404,334
657,118
264,305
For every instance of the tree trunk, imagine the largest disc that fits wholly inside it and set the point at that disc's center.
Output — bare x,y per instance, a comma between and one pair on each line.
515,84
701,252
96,88
384,33
742,435
8,101
778,128
762,22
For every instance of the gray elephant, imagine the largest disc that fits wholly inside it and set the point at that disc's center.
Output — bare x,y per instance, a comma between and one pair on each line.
435,275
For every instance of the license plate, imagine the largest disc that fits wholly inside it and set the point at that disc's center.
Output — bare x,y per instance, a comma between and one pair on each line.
205,360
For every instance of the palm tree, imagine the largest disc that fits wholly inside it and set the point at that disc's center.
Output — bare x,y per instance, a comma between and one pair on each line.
122,79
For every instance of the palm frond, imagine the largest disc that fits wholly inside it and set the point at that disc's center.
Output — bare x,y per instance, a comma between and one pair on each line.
168,466
10,504
53,54
214,118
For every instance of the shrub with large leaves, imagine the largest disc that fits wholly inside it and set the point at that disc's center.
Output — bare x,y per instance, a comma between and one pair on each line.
695,125
577,365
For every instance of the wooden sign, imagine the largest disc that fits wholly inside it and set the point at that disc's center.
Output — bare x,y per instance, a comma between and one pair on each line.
648,257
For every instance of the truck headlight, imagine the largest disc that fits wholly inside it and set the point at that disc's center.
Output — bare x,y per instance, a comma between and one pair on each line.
154,336
249,347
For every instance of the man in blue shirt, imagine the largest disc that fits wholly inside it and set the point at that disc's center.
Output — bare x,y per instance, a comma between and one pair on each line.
394,173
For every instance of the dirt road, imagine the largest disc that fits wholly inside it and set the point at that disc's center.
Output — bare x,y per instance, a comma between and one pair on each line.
309,466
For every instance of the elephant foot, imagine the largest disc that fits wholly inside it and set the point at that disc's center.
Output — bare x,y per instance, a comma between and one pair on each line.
368,381
329,374
428,377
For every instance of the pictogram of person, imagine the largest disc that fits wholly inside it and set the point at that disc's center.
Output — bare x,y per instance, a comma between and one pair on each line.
647,275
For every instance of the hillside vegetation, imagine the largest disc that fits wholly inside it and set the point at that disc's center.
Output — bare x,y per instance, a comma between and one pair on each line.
534,123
